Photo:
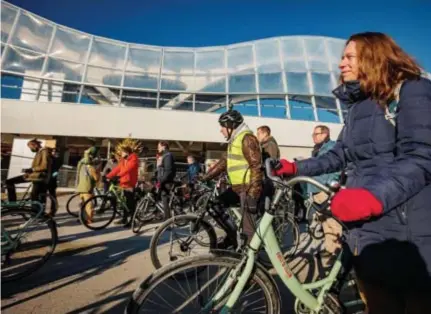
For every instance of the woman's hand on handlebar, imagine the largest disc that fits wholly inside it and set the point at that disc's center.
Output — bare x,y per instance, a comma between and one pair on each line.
285,167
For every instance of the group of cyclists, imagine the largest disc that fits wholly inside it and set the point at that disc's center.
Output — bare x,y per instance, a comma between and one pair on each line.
385,157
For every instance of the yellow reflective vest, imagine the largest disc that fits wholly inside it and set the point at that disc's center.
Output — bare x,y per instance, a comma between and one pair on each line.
237,165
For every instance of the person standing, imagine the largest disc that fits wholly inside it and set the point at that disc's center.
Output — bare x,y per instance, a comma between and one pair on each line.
110,164
127,170
331,228
88,175
268,143
166,172
52,185
39,174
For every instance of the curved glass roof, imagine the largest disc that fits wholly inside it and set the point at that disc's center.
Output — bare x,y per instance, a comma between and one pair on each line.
284,77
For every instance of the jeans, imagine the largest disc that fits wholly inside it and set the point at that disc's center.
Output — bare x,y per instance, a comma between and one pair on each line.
38,191
131,204
165,190
52,189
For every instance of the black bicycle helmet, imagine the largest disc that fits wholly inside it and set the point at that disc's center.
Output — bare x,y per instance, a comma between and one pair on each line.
231,119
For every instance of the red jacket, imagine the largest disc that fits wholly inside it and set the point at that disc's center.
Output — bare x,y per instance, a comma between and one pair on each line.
127,170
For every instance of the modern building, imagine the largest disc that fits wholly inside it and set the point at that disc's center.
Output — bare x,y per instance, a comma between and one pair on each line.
67,85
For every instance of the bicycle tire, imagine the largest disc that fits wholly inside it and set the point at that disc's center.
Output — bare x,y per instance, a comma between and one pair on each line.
188,219
68,206
102,199
25,212
141,210
231,260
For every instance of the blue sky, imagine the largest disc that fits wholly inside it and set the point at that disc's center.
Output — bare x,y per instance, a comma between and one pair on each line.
208,22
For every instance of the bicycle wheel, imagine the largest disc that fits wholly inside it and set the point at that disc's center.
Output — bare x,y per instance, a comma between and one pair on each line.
189,232
73,205
163,292
25,247
146,212
103,214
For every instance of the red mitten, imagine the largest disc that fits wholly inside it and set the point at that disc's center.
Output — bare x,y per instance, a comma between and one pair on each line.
158,185
287,168
355,204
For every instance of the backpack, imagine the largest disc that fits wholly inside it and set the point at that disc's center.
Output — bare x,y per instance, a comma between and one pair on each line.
391,110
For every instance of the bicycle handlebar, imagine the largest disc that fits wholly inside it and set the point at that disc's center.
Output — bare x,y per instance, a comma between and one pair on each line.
270,165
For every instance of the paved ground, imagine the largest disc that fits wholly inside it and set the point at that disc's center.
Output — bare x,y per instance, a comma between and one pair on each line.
96,271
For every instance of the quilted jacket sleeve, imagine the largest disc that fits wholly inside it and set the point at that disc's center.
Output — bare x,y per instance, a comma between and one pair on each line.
411,171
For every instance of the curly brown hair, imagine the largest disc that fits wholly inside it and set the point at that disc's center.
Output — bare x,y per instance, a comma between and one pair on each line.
382,65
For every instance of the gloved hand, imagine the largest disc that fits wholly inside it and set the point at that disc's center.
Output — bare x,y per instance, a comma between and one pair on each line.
355,204
157,185
55,174
287,168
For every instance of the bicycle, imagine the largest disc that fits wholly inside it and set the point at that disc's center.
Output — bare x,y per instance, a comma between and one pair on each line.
150,207
19,221
105,207
74,203
203,225
241,273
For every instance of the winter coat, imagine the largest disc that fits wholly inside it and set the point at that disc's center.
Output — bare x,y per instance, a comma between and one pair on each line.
127,170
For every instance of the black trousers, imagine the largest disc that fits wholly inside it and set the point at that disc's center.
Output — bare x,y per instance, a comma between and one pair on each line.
52,189
165,190
38,191
130,202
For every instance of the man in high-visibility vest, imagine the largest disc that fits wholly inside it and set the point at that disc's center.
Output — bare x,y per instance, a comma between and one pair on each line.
243,165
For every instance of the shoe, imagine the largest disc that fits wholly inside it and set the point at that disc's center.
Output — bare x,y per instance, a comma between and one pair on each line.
120,221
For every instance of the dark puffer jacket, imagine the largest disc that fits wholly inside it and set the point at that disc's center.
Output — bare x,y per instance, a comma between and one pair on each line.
394,164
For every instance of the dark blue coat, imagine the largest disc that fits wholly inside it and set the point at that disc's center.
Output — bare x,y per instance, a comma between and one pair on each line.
393,163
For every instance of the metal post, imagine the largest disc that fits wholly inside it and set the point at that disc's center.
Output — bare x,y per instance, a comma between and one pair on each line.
11,33
310,81
45,61
84,74
159,83
334,83
256,78
283,78
120,95
226,75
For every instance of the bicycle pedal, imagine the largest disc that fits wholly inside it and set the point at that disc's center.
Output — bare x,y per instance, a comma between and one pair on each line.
332,305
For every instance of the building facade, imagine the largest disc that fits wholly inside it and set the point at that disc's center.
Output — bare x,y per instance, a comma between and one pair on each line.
61,82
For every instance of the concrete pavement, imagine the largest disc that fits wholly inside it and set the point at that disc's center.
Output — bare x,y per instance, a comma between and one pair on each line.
96,271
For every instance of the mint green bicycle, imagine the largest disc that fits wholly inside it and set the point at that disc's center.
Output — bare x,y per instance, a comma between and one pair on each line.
230,282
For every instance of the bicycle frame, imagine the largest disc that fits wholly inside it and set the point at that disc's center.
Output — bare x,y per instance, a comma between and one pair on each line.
265,234
12,243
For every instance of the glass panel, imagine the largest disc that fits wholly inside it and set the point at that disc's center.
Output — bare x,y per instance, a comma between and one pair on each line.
322,83
316,54
246,107
267,53
176,101
210,61
64,70
107,55
100,95
326,102
297,83
301,108
178,62
7,17
326,115
210,103
141,99
51,91
335,50
144,60
177,82
23,61
11,86
32,33
293,55
70,45
240,59
210,84
103,76
242,83
273,107
141,80
70,93
270,83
